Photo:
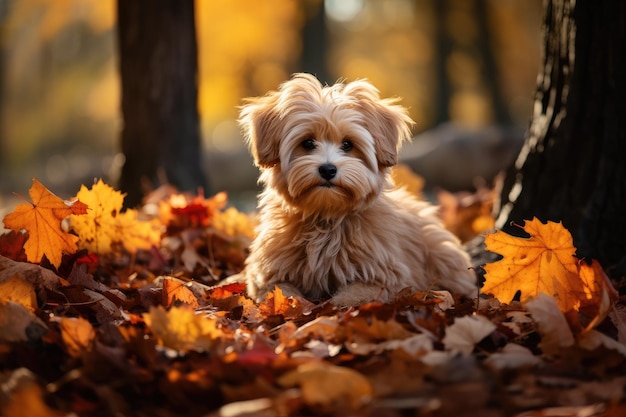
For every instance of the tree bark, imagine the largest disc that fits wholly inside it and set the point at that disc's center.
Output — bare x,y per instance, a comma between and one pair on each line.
315,41
158,64
571,167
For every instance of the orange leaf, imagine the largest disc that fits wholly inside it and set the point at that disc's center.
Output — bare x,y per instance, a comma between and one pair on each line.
175,291
42,219
78,335
543,263
600,295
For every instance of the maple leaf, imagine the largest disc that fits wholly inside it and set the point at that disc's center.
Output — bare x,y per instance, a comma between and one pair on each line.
181,329
105,224
42,220
175,291
543,263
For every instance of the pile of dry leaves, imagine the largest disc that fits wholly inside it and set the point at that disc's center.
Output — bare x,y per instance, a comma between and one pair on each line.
105,312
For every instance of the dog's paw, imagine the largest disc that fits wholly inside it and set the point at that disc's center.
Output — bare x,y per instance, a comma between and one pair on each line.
358,293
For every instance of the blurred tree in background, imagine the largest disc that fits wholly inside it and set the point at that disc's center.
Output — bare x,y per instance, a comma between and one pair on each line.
160,136
571,168
61,88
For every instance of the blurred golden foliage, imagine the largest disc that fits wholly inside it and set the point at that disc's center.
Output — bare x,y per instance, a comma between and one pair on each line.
246,48
60,92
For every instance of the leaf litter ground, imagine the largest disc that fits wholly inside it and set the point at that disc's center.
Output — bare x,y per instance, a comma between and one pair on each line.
131,325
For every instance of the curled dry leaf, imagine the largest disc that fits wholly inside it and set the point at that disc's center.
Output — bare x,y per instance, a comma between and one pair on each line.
36,275
512,356
463,335
551,324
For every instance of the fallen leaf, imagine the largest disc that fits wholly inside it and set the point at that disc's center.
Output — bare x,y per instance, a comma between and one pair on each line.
348,389
277,303
18,290
599,296
415,345
21,396
463,335
175,292
551,324
77,334
12,245
594,339
42,220
543,263
106,225
181,329
17,324
512,356
36,275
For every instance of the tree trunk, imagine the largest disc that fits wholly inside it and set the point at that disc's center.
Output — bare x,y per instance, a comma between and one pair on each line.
158,64
571,167
315,41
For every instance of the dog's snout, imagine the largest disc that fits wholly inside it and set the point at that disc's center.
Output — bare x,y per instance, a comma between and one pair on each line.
328,171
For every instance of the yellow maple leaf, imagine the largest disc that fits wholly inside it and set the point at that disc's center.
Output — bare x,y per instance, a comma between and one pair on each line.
42,220
545,263
180,328
105,225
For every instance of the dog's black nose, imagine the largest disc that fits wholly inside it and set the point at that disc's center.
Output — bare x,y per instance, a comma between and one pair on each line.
328,171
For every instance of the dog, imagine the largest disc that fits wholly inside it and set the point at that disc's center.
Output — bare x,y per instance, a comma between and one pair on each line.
331,223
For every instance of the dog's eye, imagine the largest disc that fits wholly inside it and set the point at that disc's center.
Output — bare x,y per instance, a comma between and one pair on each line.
347,145
308,144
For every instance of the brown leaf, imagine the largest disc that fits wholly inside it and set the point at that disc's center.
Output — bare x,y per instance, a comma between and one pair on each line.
17,324
12,245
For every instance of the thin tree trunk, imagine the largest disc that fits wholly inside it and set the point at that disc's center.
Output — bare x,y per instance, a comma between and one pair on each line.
314,41
571,167
158,63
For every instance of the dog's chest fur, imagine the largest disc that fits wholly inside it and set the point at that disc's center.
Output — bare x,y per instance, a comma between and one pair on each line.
322,255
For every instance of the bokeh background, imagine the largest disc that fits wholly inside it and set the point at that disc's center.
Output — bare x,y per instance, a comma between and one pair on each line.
462,67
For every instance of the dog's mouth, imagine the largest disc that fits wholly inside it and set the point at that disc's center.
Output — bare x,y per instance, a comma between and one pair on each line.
327,184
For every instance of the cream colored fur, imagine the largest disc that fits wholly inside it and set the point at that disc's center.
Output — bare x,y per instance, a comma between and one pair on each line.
352,237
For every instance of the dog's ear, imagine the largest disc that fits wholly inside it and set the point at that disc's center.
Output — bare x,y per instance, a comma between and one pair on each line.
388,122
259,120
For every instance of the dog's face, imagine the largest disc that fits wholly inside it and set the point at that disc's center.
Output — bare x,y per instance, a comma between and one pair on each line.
325,150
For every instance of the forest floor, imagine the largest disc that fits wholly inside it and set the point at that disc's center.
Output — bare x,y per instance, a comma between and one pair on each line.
136,319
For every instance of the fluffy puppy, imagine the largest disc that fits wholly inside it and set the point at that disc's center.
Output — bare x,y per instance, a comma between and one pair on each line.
331,223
